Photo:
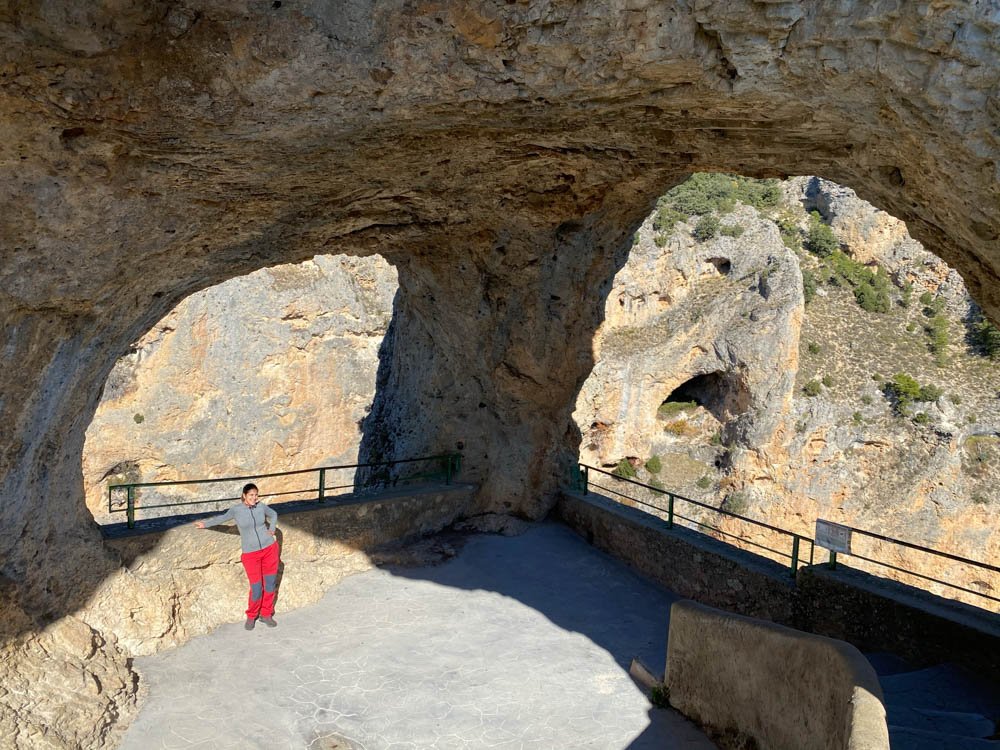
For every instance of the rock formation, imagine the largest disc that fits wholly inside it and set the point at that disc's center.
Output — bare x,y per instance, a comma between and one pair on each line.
827,443
266,373
499,155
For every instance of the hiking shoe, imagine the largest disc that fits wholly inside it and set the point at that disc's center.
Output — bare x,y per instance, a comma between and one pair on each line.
269,621
251,621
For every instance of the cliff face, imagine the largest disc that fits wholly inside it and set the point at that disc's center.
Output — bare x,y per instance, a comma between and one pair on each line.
830,443
500,155
270,372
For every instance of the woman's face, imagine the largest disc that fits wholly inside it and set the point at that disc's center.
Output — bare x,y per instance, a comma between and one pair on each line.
250,498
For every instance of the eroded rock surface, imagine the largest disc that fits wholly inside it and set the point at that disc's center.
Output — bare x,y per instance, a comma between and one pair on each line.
500,156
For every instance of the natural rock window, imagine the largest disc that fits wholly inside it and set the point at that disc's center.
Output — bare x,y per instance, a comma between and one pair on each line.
811,360
269,372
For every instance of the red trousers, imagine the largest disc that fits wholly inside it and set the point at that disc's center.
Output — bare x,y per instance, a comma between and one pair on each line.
262,570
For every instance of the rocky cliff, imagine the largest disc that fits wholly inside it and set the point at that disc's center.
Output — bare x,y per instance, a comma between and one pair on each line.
832,443
270,372
500,155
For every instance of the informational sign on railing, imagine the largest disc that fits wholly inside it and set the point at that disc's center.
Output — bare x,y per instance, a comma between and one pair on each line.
833,536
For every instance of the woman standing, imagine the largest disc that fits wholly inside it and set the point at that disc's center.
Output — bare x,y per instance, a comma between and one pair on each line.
260,551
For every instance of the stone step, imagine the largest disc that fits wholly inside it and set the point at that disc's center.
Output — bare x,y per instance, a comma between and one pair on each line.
944,722
942,688
905,738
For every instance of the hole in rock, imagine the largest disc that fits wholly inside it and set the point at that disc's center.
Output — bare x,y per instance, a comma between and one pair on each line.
785,350
270,372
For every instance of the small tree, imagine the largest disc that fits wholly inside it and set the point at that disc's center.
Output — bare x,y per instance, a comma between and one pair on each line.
808,286
706,228
988,337
653,465
820,239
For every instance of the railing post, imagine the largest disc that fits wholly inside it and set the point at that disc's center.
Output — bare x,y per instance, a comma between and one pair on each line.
586,478
795,554
447,468
130,507
670,510
833,560
322,485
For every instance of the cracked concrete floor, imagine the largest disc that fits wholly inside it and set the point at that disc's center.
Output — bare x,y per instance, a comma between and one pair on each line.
518,642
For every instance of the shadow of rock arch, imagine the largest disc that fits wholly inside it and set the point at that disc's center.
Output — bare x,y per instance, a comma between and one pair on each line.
503,180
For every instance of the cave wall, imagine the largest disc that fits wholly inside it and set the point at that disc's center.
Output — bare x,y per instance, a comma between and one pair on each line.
499,154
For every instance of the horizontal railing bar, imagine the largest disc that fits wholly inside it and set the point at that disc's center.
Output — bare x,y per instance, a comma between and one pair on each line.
697,523
275,474
734,536
695,502
921,548
926,578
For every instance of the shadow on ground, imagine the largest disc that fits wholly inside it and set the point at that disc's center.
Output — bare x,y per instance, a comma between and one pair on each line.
576,587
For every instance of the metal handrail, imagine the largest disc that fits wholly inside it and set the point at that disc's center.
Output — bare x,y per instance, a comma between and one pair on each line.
582,480
452,463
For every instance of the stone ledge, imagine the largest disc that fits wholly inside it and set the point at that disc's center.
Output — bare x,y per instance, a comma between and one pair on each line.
692,565
743,677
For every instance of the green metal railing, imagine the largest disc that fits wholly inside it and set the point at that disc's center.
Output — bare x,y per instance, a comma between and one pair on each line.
981,566
581,481
368,477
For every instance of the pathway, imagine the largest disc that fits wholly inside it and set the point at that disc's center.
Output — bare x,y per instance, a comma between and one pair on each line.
518,642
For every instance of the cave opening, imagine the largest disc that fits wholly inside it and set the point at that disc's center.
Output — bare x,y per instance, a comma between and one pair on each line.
274,371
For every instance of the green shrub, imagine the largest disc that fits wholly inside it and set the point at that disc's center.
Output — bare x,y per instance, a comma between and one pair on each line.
653,465
905,390
666,218
979,498
138,419
926,298
737,503
704,483
828,381
659,696
624,469
706,228
937,329
716,438
911,327
866,400
812,388
820,239
655,483
813,348
660,240
873,298
730,230
930,393
955,398
988,337
673,408
788,228
858,417
808,286
906,298
921,418
706,192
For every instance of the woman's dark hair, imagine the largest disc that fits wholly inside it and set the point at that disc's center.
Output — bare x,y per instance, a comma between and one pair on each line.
248,487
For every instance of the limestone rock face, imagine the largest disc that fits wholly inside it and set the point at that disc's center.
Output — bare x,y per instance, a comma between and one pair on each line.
827,442
499,155
721,316
266,373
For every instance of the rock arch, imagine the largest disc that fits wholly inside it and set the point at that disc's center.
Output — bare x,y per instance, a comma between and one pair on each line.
500,155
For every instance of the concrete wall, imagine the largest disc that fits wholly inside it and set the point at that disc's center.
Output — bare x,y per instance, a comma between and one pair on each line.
874,614
178,581
690,564
788,690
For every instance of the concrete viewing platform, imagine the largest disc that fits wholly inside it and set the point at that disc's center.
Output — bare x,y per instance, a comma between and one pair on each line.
515,642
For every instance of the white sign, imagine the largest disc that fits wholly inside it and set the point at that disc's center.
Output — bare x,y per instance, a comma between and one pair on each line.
833,536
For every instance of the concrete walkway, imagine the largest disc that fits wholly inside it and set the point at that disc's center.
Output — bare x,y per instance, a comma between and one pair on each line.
518,642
